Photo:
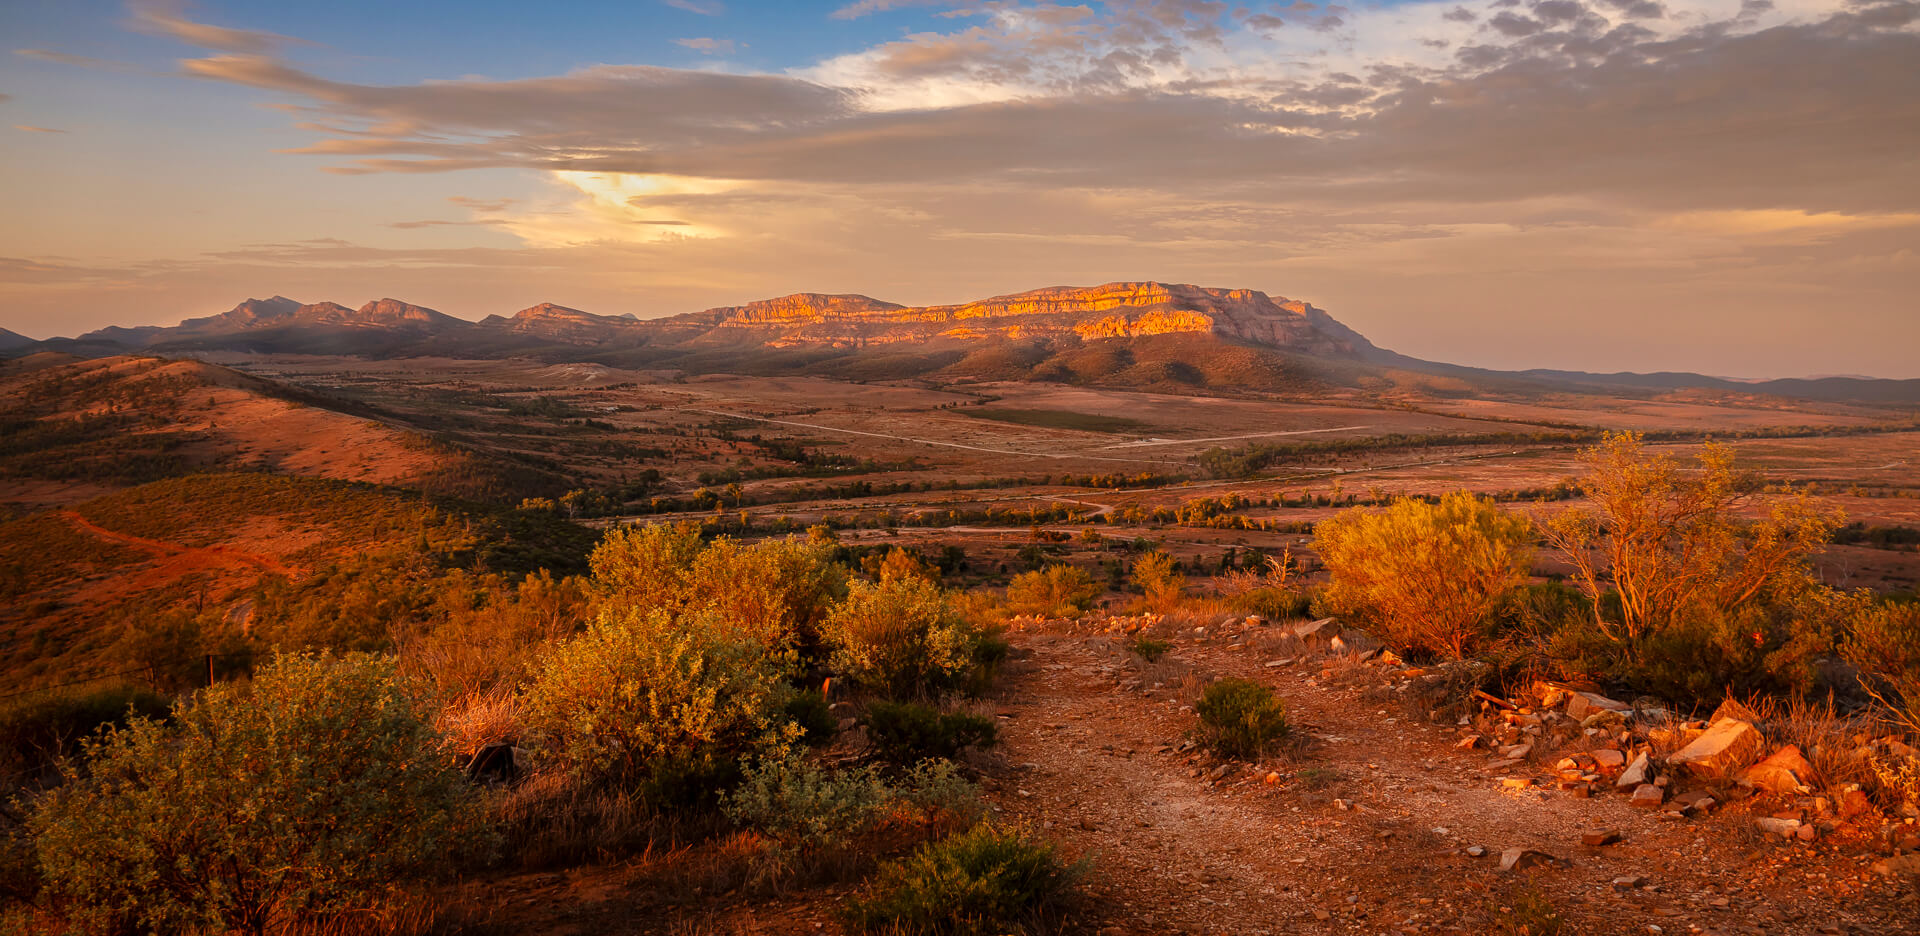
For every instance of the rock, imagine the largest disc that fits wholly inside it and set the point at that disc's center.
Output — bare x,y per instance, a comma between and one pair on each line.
1806,833
1516,751
1735,711
1221,772
1629,882
1728,745
1520,859
1516,783
1255,620
1608,758
1582,704
1647,796
1785,773
1853,803
1469,742
1272,777
1638,772
1900,866
1600,837
1337,645
1693,801
1785,828
1475,851
1322,630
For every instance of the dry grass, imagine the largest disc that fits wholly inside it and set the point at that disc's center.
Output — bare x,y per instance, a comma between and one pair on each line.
1824,737
470,724
550,820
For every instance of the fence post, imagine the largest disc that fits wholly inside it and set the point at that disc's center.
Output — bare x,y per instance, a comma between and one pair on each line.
209,670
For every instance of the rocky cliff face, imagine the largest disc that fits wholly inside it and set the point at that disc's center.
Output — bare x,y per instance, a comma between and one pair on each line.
1115,310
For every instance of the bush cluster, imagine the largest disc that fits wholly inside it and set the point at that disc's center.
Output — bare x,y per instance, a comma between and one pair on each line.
985,881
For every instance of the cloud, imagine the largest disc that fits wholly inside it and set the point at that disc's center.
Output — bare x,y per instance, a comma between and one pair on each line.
165,18
870,7
483,204
83,61
32,129
702,7
706,46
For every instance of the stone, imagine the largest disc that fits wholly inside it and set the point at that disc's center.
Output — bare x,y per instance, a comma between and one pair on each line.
1629,882
1694,801
1599,837
1516,783
1272,777
1520,859
1608,758
1516,751
1786,773
1221,772
1807,833
1255,620
1785,828
1582,704
1469,742
1854,803
1647,796
1475,851
1322,630
1727,746
1638,772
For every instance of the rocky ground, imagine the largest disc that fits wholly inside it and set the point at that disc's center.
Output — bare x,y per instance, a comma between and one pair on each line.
1376,819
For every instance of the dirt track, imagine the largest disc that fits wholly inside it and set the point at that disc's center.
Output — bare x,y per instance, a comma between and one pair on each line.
1095,765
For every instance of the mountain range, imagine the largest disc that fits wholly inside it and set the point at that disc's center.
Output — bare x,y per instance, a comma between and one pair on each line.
1139,334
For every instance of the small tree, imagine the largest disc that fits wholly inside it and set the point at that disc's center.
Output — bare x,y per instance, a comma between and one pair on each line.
1427,576
1667,541
1159,580
309,792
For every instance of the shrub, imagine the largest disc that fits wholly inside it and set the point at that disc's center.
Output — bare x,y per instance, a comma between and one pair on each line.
1425,576
40,730
665,705
1056,591
907,732
1884,643
900,637
985,881
1240,717
303,795
1148,648
937,791
1668,544
644,566
812,714
803,807
1159,579
1274,604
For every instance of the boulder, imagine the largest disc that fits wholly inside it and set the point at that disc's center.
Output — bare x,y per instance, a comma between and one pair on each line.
1647,796
1785,773
1600,837
1728,745
1608,759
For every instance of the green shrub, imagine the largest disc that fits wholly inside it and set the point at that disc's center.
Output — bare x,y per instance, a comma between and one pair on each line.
803,807
907,732
1240,717
1148,648
1056,591
900,637
986,881
936,790
665,705
306,794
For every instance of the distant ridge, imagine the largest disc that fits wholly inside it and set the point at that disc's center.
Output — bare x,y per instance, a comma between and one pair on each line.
1141,334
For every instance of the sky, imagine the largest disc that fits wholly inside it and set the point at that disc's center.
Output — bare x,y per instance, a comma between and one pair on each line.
1723,186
